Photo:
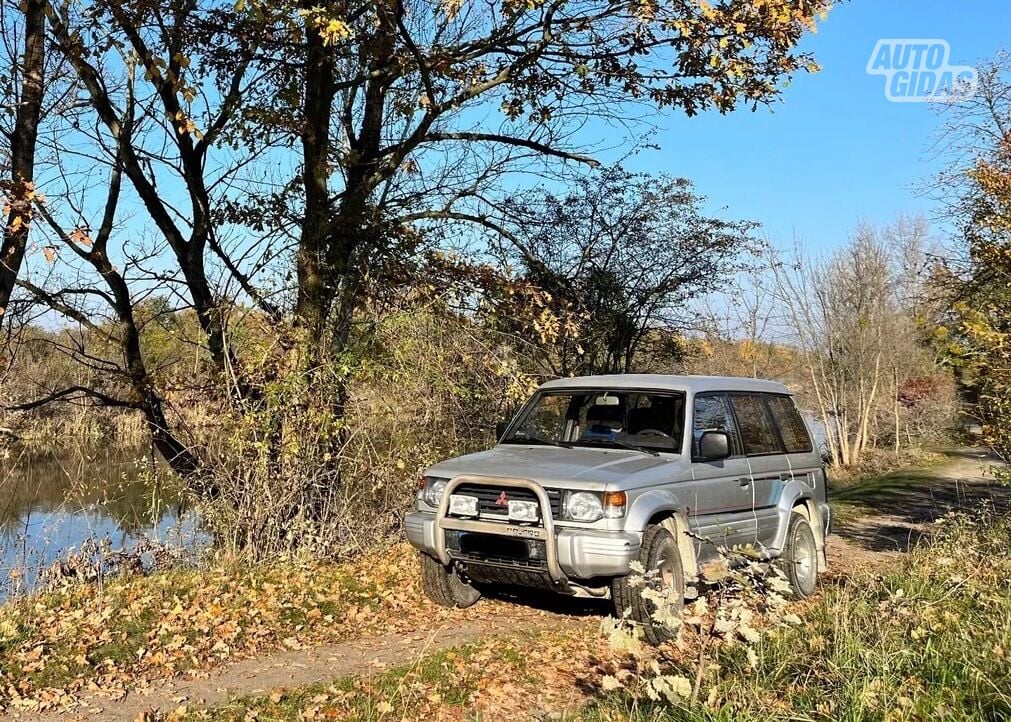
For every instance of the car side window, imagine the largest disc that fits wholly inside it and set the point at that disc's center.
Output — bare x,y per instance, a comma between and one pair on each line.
758,433
712,412
791,424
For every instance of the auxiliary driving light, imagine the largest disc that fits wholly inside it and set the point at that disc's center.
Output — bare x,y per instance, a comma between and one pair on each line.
523,511
462,505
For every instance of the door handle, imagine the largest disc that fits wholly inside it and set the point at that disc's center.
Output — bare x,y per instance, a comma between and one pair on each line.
744,481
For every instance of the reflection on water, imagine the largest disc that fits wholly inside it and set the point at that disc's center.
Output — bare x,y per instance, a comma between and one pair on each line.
51,502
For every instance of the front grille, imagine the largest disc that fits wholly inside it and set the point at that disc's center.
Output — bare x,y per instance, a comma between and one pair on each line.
487,496
501,561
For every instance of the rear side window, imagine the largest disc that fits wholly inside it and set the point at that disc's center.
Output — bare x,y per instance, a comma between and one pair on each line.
791,424
713,413
758,433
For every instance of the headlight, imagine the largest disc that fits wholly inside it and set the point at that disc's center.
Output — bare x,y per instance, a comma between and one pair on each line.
432,493
583,506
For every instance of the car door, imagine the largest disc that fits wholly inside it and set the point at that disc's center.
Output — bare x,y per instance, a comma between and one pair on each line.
766,455
721,510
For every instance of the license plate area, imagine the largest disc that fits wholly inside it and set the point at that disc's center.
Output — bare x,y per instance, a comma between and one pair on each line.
492,547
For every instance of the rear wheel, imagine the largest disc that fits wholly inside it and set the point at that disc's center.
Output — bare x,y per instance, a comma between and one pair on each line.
799,560
658,554
444,586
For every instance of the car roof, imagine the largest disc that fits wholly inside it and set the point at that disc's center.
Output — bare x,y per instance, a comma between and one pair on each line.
690,384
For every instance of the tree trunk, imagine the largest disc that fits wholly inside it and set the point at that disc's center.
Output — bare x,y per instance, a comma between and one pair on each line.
867,407
179,458
330,282
895,407
20,190
827,422
313,287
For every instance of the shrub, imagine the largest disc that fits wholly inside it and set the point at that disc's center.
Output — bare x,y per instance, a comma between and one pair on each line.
297,476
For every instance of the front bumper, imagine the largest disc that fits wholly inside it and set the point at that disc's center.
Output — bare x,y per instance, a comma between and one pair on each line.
580,553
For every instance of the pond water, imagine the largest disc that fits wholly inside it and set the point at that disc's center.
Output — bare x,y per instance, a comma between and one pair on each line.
53,501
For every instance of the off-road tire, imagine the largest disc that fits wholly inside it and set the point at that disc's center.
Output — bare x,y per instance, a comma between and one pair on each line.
799,560
444,586
657,544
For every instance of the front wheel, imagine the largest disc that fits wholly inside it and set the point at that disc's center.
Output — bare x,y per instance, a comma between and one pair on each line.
444,586
665,581
799,560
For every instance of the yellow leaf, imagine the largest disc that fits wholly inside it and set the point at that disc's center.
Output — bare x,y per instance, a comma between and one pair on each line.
79,235
609,683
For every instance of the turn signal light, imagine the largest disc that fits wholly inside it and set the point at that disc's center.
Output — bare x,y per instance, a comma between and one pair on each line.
615,498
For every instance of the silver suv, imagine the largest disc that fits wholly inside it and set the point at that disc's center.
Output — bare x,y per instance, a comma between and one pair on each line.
599,471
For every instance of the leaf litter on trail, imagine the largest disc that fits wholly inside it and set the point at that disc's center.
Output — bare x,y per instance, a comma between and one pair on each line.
59,646
514,676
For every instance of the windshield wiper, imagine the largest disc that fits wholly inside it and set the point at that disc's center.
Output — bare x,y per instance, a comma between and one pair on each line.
538,440
622,444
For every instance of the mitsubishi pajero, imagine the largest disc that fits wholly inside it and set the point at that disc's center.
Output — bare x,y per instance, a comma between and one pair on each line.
597,472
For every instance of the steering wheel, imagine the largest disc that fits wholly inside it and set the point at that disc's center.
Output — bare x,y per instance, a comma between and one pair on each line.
653,432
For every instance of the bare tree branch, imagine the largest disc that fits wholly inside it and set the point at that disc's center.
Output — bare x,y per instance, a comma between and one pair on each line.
72,393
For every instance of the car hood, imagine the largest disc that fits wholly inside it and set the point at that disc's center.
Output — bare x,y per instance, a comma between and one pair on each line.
577,468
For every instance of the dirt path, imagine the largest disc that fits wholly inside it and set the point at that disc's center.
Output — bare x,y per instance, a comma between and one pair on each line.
903,510
900,513
290,669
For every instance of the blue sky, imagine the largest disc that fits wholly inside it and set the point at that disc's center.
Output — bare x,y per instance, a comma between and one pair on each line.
833,151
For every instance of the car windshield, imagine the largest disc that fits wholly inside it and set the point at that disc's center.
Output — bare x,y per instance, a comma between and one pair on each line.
617,418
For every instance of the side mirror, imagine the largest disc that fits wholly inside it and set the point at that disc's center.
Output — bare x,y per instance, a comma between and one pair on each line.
500,429
714,445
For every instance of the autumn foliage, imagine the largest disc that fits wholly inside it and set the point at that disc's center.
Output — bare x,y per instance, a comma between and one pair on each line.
978,341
